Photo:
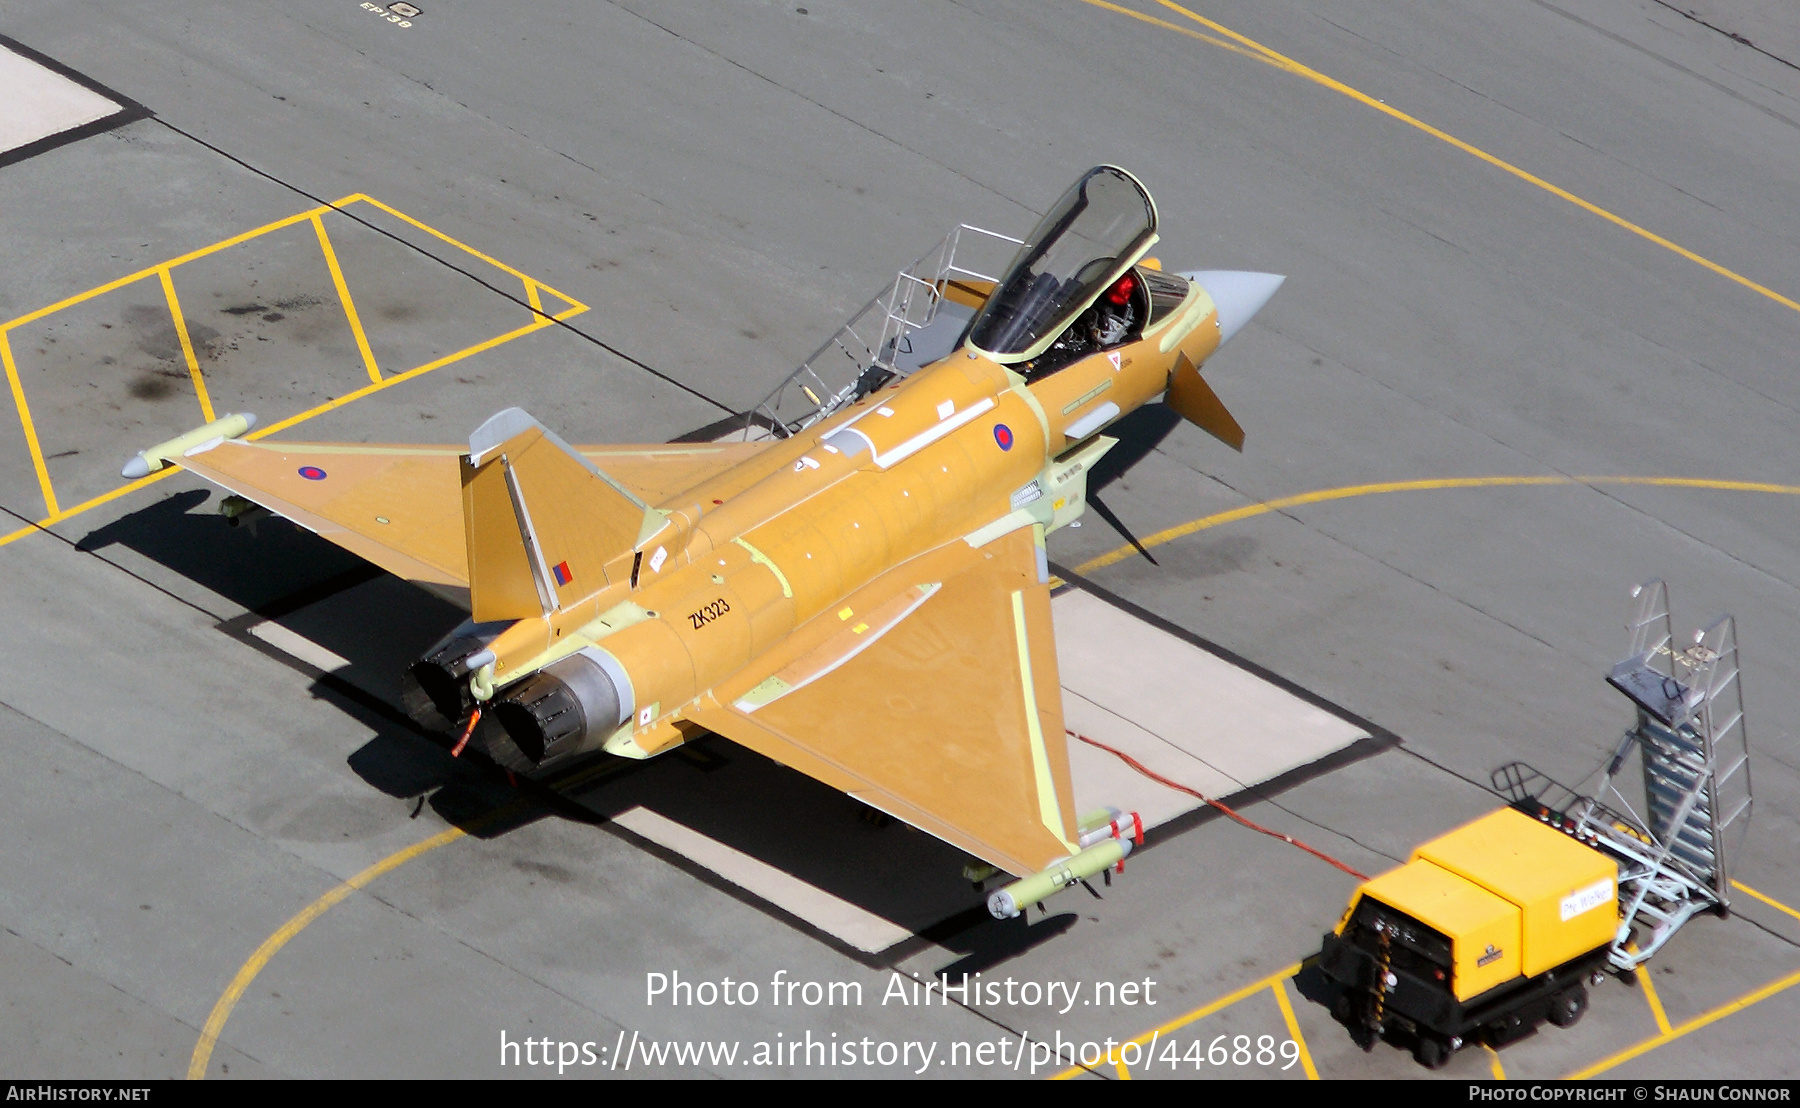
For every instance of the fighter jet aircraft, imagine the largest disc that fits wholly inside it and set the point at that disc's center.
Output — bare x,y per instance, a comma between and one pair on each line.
857,589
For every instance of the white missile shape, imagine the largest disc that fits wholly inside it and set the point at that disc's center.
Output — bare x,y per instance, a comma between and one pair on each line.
1114,825
197,441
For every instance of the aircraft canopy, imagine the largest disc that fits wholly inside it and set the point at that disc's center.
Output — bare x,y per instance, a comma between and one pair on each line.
1091,236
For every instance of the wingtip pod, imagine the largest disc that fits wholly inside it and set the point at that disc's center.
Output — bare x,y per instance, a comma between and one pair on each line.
203,438
1238,295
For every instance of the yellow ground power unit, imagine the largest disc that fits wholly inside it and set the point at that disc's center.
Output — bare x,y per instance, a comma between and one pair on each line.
1489,929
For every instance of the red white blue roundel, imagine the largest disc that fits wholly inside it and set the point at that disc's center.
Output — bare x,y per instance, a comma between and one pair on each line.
312,473
1003,435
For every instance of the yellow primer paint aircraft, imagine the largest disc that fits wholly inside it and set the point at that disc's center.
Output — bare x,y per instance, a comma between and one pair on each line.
858,589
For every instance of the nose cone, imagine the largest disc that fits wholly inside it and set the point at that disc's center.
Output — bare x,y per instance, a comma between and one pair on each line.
1237,293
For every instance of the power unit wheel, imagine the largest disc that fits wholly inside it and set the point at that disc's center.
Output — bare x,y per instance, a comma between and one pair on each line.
1431,1052
1567,1006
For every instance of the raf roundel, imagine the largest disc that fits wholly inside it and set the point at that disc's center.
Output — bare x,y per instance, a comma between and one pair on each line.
1003,435
312,473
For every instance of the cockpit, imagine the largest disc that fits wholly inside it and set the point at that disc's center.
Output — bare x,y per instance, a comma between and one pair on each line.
1071,290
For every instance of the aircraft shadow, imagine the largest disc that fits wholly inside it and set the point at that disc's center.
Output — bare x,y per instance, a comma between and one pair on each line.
377,625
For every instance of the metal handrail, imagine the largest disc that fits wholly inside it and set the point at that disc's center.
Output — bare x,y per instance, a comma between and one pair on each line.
907,305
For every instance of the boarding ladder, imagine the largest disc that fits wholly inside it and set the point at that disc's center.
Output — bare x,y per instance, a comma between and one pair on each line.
882,340
1674,855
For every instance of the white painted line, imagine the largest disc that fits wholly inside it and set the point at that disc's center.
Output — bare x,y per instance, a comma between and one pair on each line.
36,103
1182,711
863,930
298,646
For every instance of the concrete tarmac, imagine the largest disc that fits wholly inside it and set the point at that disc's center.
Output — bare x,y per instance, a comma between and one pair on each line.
1524,239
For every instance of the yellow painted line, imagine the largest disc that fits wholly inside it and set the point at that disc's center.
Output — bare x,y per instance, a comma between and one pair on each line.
1279,988
85,505
344,298
1225,44
1655,1002
1695,1024
466,248
31,439
1770,901
532,297
55,513
150,271
1494,1066
1337,86
1347,492
1123,1070
1199,1013
1650,997
215,1022
537,324
187,344
387,382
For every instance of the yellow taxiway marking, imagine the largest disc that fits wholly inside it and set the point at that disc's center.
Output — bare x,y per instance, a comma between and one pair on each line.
532,284
344,298
1199,1013
1287,1013
1655,1002
1241,44
1494,1066
149,271
388,382
59,516
187,345
54,513
31,439
1731,1007
215,1023
1670,1033
1770,901
1279,988
85,505
1224,44
1348,492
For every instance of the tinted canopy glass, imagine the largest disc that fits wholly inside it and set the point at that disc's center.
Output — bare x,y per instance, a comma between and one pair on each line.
1098,228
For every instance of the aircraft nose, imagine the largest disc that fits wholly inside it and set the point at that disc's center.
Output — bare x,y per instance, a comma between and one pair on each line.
1238,294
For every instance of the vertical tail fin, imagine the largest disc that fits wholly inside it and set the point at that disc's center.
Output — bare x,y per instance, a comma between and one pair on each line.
544,527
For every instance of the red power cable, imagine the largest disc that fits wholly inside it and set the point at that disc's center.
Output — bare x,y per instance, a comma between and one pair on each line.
1195,793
